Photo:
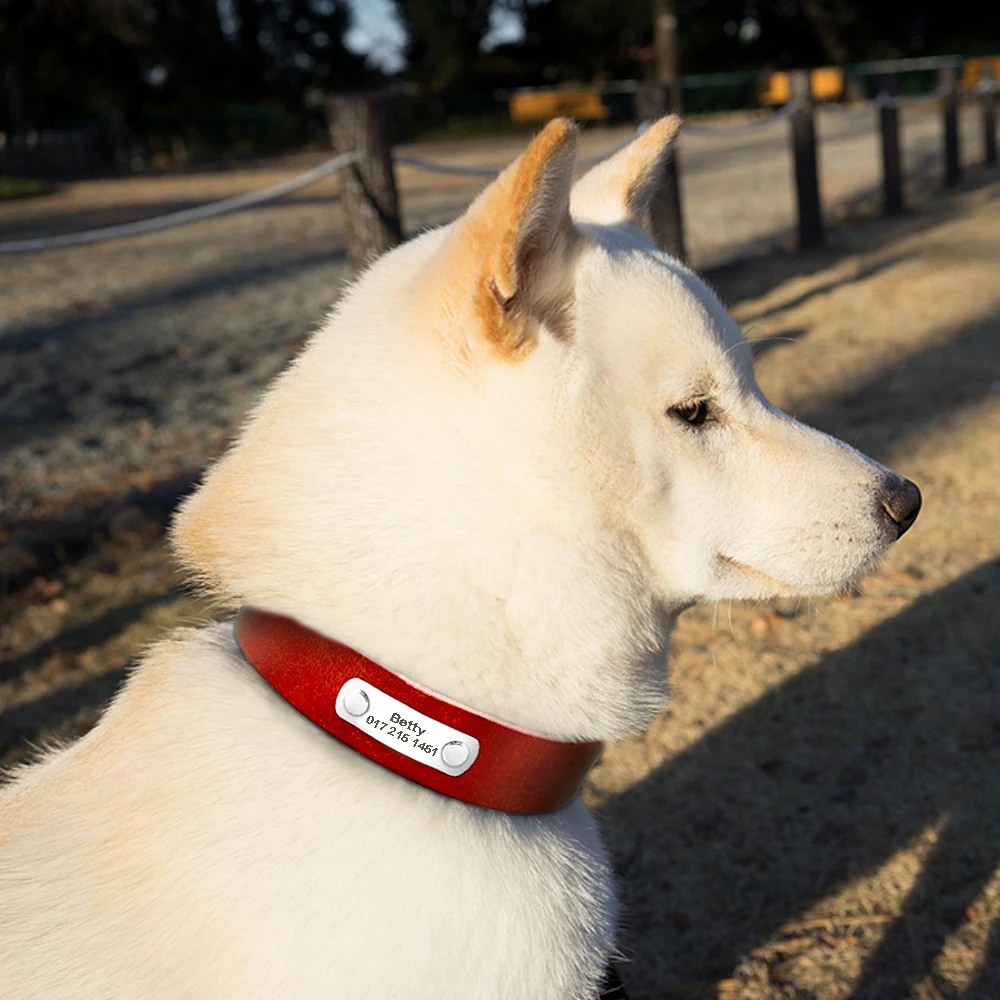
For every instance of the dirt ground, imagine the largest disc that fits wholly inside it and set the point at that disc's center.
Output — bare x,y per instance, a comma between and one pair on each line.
817,814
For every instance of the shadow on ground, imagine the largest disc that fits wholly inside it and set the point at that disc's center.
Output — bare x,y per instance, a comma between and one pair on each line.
842,766
744,278
226,279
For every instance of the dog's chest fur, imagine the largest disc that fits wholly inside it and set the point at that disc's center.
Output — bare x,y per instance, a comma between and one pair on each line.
245,853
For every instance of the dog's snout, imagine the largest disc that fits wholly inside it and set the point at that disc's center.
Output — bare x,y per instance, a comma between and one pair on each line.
900,502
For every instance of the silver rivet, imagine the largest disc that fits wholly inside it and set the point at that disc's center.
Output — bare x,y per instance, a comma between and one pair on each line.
455,754
356,702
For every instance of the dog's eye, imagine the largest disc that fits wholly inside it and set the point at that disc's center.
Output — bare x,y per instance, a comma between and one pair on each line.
694,412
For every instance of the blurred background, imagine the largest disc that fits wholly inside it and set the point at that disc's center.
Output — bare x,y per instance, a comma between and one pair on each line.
817,814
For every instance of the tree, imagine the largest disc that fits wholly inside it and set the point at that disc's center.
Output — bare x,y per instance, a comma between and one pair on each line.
443,39
71,61
170,63
300,44
588,39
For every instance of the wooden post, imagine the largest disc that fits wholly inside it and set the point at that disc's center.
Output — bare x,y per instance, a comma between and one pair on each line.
989,102
665,44
368,186
949,109
652,101
803,131
892,161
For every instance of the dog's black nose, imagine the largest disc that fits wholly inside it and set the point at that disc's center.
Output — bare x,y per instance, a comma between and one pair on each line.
900,500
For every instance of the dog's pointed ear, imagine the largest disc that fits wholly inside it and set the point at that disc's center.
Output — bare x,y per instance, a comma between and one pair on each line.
514,242
621,190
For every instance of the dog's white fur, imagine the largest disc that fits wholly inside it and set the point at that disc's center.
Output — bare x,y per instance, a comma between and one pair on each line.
476,474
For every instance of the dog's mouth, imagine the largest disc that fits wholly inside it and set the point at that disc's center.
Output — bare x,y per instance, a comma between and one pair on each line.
778,587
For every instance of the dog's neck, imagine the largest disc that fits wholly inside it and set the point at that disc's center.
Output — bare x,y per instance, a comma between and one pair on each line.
576,664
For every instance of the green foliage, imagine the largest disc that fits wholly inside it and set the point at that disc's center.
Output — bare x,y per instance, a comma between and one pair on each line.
293,45
20,187
593,39
187,68
587,39
443,39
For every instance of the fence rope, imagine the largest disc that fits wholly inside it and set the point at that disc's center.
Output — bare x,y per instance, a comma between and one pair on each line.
196,214
886,100
785,111
436,167
592,161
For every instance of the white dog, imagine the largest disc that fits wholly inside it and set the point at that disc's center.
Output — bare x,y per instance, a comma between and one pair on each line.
520,446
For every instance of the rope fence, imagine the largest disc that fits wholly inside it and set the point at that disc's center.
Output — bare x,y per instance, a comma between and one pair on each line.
251,200
884,99
458,170
371,203
747,128
713,131
454,169
225,206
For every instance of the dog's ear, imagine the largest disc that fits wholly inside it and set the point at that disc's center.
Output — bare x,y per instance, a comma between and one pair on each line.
621,190
513,245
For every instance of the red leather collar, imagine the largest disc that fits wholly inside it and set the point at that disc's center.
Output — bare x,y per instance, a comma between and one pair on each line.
515,771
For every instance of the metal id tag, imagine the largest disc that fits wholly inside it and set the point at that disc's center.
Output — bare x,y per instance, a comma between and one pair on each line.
406,730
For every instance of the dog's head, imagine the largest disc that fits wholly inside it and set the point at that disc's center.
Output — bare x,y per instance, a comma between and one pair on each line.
534,419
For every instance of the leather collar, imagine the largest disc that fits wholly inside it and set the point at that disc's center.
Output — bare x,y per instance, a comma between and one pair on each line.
409,729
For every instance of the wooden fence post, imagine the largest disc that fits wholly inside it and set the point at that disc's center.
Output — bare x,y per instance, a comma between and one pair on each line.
892,161
803,130
989,101
368,186
652,101
949,110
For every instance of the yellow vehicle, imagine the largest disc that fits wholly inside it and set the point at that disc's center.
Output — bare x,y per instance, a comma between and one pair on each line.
972,71
581,103
826,84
